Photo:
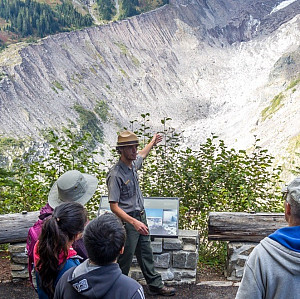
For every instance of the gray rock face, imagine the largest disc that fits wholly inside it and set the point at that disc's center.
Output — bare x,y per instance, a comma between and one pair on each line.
212,66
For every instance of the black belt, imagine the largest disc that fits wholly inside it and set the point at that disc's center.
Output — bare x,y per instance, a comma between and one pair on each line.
136,213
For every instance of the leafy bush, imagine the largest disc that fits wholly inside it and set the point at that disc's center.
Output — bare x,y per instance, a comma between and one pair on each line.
31,177
293,84
210,178
57,85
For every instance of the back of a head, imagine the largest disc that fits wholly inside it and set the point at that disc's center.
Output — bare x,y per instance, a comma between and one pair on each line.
71,218
104,238
292,192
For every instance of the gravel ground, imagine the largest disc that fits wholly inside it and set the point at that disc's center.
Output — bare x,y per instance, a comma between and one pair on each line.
210,284
202,292
23,290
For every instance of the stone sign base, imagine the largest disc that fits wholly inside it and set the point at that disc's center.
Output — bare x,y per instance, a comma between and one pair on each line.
237,254
176,259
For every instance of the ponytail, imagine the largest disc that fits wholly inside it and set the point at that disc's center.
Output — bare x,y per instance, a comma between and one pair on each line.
58,231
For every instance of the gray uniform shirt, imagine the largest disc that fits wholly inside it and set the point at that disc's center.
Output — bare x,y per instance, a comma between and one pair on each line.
123,185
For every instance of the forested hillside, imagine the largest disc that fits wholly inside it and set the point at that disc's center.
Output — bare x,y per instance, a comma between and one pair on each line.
22,19
25,18
110,9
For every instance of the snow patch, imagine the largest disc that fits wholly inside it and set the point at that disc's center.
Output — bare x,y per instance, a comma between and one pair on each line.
282,5
253,23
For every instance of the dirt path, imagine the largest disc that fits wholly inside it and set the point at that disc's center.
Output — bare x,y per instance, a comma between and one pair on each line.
210,284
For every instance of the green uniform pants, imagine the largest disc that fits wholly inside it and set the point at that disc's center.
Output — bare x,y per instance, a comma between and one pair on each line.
140,246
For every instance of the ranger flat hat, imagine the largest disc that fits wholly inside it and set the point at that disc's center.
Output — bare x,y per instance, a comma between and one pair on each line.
127,138
72,186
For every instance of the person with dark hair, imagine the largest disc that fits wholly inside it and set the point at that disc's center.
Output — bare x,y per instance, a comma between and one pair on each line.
72,186
127,202
100,275
272,269
53,254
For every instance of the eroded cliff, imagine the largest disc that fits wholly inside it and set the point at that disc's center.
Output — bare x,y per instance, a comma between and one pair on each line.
212,66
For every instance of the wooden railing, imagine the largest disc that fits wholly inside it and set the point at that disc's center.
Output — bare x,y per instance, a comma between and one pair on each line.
14,227
243,227
223,226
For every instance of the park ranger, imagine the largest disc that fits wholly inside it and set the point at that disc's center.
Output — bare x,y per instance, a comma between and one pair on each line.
126,201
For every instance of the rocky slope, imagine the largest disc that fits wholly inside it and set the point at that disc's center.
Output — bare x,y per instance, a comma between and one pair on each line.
210,65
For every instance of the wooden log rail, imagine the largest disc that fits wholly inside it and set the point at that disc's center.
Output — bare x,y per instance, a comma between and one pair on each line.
14,227
222,226
243,227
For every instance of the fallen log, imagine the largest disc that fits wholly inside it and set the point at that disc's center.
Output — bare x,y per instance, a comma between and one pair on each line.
243,227
14,227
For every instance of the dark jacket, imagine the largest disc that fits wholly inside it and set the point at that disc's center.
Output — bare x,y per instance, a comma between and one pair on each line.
106,282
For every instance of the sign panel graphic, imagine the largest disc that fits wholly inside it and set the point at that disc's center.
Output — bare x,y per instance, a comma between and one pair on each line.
161,212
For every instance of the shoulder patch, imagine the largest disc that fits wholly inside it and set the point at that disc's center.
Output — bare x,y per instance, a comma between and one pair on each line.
80,286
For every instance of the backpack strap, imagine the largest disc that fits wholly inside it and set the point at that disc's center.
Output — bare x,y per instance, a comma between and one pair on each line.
44,216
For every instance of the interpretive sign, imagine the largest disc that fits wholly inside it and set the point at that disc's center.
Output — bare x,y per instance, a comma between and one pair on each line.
161,212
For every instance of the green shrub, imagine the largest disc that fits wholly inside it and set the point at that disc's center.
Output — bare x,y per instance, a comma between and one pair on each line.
293,84
30,177
2,76
135,61
122,47
123,73
211,177
57,85
276,104
89,123
101,109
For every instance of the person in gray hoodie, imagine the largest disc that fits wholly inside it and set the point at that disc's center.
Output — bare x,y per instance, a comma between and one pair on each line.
100,276
272,270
